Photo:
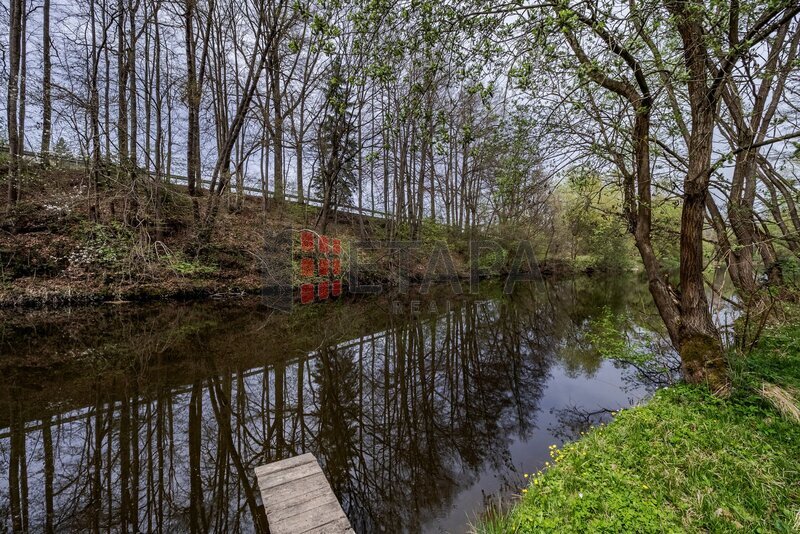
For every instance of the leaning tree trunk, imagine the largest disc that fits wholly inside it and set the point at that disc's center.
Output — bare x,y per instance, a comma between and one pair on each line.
686,314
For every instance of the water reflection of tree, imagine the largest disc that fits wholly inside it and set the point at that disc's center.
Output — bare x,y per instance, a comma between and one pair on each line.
400,420
649,364
336,409
438,400
574,420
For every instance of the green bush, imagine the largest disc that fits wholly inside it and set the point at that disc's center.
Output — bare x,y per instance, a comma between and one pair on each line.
190,267
102,245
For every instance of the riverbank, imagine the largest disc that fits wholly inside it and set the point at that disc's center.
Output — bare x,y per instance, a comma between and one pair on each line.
52,254
684,462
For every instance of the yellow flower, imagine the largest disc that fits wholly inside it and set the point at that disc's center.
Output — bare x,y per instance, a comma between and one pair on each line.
526,475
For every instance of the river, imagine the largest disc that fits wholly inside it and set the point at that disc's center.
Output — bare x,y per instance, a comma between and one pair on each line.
422,410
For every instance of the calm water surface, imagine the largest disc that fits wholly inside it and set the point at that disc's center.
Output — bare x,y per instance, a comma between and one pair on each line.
421,414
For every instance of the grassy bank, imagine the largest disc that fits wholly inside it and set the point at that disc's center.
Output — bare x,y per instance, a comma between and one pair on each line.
684,462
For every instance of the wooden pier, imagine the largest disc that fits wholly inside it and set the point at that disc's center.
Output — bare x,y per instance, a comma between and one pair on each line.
298,498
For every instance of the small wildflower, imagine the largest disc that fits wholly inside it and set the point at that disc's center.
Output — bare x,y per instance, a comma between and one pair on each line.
526,475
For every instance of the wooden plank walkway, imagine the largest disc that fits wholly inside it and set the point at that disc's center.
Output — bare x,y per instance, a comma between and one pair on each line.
298,498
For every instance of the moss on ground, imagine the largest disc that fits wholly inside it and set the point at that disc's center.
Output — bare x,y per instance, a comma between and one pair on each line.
684,462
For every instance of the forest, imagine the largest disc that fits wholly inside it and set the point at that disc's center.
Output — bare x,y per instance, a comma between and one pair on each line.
153,149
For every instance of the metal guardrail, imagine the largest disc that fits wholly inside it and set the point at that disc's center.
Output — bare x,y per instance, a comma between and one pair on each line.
314,202
183,180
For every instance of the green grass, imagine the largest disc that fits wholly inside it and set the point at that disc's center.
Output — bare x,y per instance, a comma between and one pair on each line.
684,462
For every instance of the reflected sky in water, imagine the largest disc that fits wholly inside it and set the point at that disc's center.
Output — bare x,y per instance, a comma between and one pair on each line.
153,417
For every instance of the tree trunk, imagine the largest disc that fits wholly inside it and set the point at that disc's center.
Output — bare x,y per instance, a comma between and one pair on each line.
277,140
700,347
14,150
299,166
47,106
23,76
159,140
702,354
192,103
94,119
122,87
300,140
132,98
106,86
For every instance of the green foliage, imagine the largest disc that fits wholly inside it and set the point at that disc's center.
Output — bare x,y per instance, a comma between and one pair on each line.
775,359
106,246
790,268
687,461
607,336
490,259
337,147
61,149
299,214
593,216
665,233
433,232
615,339
3,152
516,182
191,267
584,262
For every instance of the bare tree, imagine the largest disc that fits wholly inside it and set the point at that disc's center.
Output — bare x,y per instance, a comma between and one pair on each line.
12,96
47,104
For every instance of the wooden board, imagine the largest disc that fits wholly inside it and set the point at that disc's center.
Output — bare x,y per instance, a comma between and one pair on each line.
298,498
